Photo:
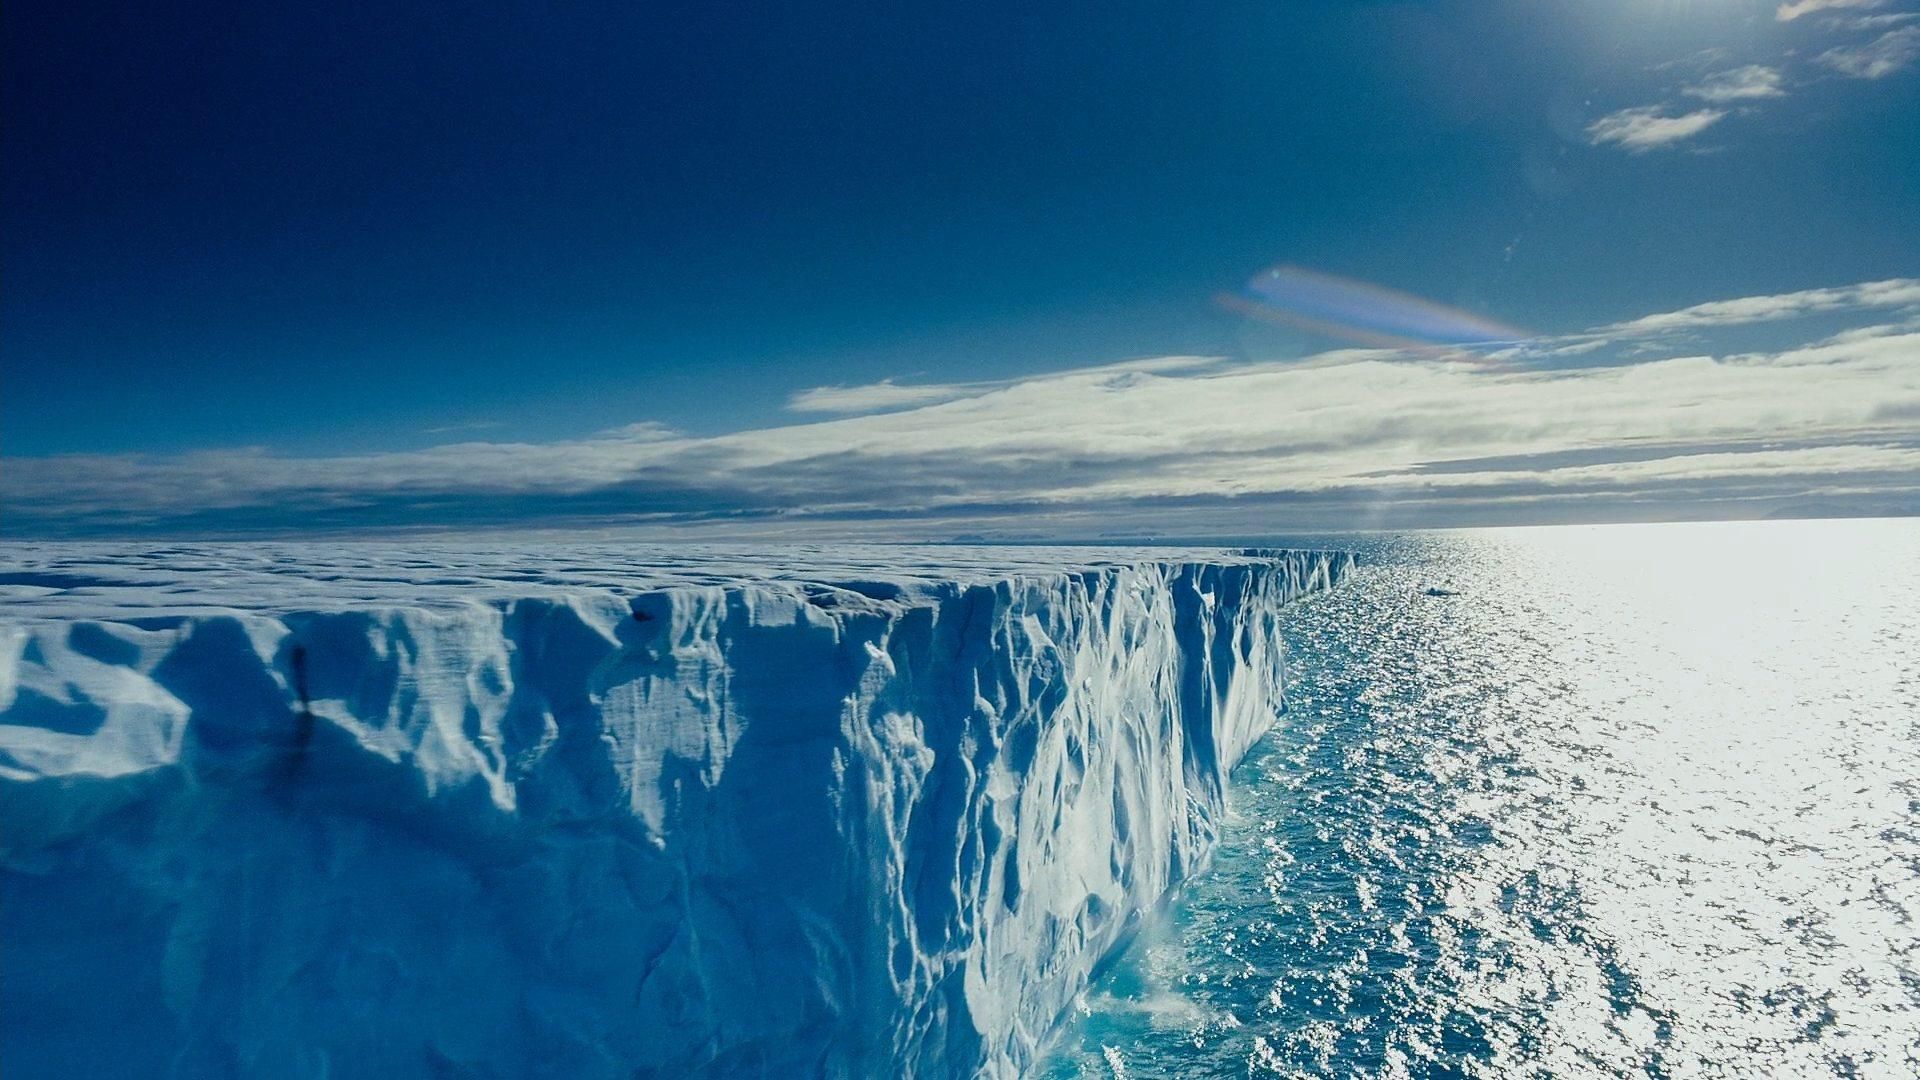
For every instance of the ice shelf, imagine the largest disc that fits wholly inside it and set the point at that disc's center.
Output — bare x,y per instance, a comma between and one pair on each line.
304,810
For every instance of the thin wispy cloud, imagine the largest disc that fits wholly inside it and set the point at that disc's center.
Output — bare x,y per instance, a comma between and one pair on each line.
471,425
870,397
888,394
1418,433
1889,53
1892,293
1875,22
1750,83
1649,127
1743,89
1796,8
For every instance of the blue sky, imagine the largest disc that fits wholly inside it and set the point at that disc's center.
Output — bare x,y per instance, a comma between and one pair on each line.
720,267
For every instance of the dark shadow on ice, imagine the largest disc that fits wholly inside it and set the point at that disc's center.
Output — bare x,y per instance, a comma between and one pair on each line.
303,720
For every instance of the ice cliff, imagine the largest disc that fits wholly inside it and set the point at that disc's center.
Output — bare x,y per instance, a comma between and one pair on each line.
359,811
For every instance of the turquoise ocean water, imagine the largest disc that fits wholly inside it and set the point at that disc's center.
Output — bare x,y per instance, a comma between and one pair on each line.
1622,801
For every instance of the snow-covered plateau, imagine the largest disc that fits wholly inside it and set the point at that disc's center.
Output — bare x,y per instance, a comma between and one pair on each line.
412,810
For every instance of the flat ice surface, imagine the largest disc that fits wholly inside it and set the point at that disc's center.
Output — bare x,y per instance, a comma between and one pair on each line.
117,581
419,809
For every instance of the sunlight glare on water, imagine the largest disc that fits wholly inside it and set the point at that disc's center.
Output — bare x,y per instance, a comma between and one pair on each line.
1615,801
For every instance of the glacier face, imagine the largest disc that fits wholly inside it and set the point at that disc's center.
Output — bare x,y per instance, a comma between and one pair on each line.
285,810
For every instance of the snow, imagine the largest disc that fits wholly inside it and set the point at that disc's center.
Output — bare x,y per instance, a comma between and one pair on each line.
592,811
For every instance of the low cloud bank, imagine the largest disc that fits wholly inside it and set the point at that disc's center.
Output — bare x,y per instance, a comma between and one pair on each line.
1638,419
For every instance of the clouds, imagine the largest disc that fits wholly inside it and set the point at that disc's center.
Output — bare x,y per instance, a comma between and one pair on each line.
1649,127
1750,83
1894,293
887,395
1742,90
1877,22
872,397
1353,437
1794,9
1641,128
1886,54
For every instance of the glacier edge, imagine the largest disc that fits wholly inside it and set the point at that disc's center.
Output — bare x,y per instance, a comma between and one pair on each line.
776,827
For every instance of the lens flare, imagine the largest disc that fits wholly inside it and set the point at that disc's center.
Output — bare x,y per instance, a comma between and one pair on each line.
1363,313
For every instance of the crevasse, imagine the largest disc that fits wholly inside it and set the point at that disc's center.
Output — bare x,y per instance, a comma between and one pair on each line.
779,826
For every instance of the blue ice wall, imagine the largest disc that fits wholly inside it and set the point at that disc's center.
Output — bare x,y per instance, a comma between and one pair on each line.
887,826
